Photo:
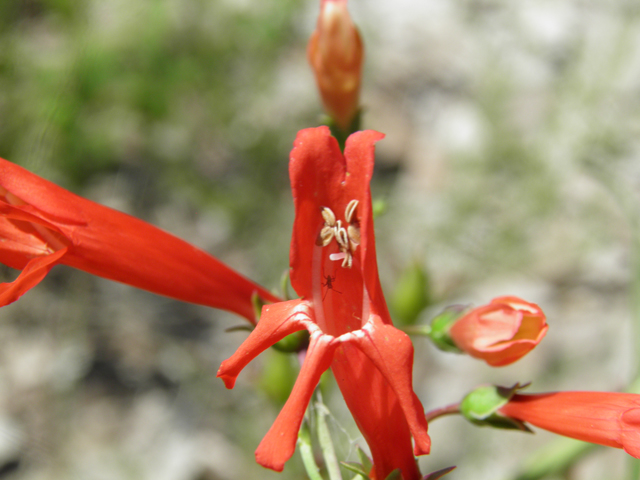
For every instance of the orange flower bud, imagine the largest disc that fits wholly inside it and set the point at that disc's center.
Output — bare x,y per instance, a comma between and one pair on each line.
501,332
335,54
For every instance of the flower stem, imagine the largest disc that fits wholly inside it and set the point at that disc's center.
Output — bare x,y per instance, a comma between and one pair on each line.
324,438
452,409
423,330
306,452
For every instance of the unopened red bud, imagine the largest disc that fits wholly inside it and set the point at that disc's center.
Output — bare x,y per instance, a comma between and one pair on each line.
335,53
501,332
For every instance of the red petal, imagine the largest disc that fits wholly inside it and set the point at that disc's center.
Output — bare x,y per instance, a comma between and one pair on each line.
317,170
360,154
32,274
279,444
391,351
322,177
276,322
630,437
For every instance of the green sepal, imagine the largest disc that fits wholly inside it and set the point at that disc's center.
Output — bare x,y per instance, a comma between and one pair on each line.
239,328
395,475
481,407
293,343
284,285
366,463
355,468
411,295
438,474
257,303
440,326
340,134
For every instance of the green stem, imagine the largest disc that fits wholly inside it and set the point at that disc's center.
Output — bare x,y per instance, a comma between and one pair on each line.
423,330
324,438
306,452
453,409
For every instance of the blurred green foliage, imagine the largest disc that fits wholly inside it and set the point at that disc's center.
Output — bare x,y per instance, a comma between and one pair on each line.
165,92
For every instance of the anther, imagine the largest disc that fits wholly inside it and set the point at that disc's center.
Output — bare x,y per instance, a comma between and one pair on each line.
326,235
348,260
350,210
353,233
342,238
328,216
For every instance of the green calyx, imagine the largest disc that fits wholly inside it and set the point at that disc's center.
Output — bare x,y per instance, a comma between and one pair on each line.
481,407
440,325
293,343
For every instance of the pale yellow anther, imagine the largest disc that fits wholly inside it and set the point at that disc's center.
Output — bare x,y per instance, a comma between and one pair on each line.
328,216
342,238
347,238
347,261
354,237
326,235
350,210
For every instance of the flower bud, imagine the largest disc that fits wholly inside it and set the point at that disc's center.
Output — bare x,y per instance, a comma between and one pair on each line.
335,54
501,332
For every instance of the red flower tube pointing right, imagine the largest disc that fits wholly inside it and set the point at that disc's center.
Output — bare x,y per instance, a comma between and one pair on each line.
610,419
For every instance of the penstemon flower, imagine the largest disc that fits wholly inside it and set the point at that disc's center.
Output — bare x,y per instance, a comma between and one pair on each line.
333,269
42,225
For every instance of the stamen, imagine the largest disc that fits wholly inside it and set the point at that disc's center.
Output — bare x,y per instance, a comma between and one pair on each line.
342,238
348,237
350,210
354,237
328,216
337,256
326,235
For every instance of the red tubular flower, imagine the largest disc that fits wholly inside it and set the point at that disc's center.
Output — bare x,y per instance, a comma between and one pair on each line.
501,332
610,419
334,270
42,225
335,53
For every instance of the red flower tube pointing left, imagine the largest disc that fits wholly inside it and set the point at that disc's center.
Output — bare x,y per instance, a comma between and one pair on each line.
42,225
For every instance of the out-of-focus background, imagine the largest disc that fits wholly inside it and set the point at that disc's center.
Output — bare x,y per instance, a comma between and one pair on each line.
511,166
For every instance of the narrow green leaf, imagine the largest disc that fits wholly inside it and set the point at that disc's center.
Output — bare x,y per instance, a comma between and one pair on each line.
355,468
438,474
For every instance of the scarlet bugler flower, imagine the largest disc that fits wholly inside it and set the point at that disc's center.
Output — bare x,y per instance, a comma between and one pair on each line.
333,269
501,332
610,419
42,225
335,53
